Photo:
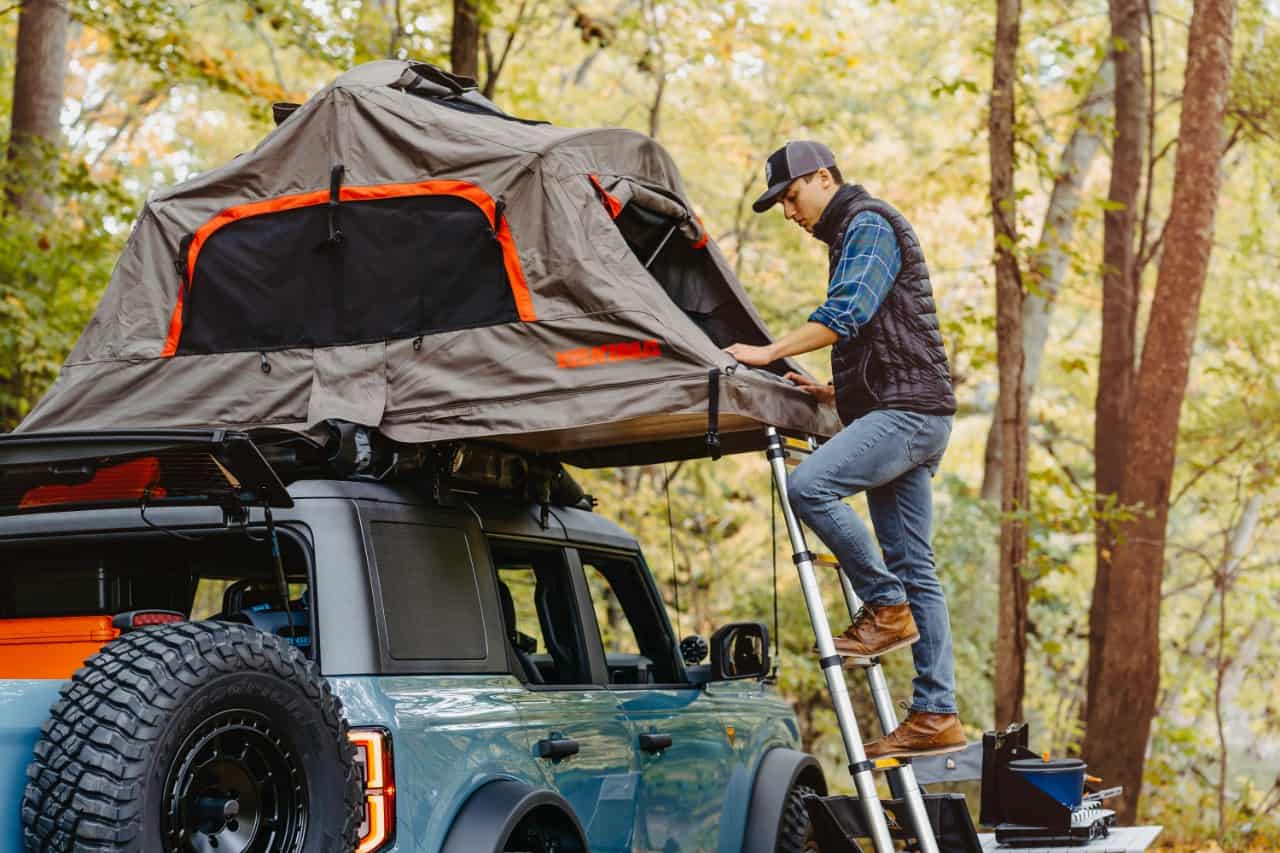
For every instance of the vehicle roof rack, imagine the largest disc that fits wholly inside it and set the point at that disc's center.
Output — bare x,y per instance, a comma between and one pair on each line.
489,469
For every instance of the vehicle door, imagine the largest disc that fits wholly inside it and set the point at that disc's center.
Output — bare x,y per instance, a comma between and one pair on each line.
683,746
439,653
579,731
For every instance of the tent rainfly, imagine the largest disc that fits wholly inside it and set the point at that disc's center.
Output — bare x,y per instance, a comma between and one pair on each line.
400,253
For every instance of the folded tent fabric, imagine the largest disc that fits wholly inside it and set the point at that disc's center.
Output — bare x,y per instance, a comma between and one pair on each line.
398,253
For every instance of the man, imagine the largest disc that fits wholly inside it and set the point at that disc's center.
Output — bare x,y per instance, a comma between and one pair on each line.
892,388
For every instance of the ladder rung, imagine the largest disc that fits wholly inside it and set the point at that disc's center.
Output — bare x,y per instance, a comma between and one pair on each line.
883,765
795,450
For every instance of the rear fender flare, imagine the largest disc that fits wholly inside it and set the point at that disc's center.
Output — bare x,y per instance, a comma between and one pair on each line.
778,772
495,809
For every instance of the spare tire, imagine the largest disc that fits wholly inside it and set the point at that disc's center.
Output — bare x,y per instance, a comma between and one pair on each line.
205,737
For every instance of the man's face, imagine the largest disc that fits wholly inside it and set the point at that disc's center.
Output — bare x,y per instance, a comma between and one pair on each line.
807,197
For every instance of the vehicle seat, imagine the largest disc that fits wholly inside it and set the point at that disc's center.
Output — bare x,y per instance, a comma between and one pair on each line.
257,603
514,637
247,593
553,601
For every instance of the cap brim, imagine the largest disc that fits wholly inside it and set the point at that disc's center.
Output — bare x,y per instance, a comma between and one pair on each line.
770,197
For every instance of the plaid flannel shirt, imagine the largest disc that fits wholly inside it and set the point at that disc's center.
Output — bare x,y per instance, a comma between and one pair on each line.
869,262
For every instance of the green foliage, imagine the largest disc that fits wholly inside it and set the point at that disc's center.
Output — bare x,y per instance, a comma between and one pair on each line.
161,89
52,271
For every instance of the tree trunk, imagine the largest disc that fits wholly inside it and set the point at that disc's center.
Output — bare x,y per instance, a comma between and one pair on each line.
1048,266
1128,672
38,85
1011,637
464,43
1121,286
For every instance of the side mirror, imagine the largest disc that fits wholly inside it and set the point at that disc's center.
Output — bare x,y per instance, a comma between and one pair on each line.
740,650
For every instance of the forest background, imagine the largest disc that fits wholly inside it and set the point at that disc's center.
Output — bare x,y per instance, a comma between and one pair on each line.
149,92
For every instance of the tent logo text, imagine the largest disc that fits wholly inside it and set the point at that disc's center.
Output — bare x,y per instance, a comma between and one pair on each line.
624,351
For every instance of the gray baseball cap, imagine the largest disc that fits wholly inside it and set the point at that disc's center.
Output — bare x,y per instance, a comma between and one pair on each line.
791,161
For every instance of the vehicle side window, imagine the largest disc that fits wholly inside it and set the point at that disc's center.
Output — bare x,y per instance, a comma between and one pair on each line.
638,645
212,599
429,592
541,621
228,577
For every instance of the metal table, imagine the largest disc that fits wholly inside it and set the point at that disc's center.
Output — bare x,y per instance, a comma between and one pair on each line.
1124,839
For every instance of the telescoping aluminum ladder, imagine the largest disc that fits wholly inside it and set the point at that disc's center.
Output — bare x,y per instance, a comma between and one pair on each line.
901,778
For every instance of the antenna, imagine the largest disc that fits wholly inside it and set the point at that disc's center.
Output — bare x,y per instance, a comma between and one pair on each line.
671,539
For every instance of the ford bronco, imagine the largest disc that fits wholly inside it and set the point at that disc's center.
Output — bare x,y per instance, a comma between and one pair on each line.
216,644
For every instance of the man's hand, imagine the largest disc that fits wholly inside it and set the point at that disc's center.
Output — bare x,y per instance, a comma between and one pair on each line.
823,393
753,356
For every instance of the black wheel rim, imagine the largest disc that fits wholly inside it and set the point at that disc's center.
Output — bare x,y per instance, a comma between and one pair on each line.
236,785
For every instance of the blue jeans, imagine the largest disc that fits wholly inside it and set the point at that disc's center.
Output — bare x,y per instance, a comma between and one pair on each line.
891,455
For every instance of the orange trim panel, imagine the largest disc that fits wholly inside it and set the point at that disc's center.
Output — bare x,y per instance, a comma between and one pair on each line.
702,241
610,202
53,647
460,189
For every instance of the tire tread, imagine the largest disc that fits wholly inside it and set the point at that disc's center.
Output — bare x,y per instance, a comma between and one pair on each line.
794,831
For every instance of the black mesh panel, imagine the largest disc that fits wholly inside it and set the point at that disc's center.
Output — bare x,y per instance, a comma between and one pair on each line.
404,267
429,594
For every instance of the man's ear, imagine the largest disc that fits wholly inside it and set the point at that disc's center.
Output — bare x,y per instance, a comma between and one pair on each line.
825,180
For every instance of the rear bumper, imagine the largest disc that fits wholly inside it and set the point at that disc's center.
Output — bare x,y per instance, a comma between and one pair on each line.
24,705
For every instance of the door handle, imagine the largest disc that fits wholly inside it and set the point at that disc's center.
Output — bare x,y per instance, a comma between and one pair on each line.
654,743
556,748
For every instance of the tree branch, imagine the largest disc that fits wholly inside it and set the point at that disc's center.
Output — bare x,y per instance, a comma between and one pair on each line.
1218,460
1143,232
492,71
1047,443
271,52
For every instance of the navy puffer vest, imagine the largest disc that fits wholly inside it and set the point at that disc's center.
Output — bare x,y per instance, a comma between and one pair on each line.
897,360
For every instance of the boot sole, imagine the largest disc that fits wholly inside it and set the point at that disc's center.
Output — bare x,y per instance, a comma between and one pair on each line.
851,659
920,753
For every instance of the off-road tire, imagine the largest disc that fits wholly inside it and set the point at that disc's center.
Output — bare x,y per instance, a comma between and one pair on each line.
125,729
795,833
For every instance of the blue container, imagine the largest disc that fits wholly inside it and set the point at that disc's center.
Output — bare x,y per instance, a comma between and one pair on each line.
1060,778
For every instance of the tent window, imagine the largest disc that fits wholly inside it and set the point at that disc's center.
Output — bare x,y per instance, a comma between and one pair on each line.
406,265
646,232
682,266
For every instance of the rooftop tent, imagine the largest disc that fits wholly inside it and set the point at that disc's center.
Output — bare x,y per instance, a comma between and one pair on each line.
402,254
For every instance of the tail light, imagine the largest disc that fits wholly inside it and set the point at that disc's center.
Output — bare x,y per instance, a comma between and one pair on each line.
142,618
373,760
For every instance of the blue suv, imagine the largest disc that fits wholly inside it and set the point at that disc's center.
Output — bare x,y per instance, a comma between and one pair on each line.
212,645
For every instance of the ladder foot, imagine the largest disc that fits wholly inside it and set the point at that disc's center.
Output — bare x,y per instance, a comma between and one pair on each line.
838,823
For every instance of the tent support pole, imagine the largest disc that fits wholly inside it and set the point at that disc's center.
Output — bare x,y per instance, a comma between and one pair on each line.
661,246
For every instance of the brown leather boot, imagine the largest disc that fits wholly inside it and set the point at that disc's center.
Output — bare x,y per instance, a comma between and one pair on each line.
877,630
921,733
